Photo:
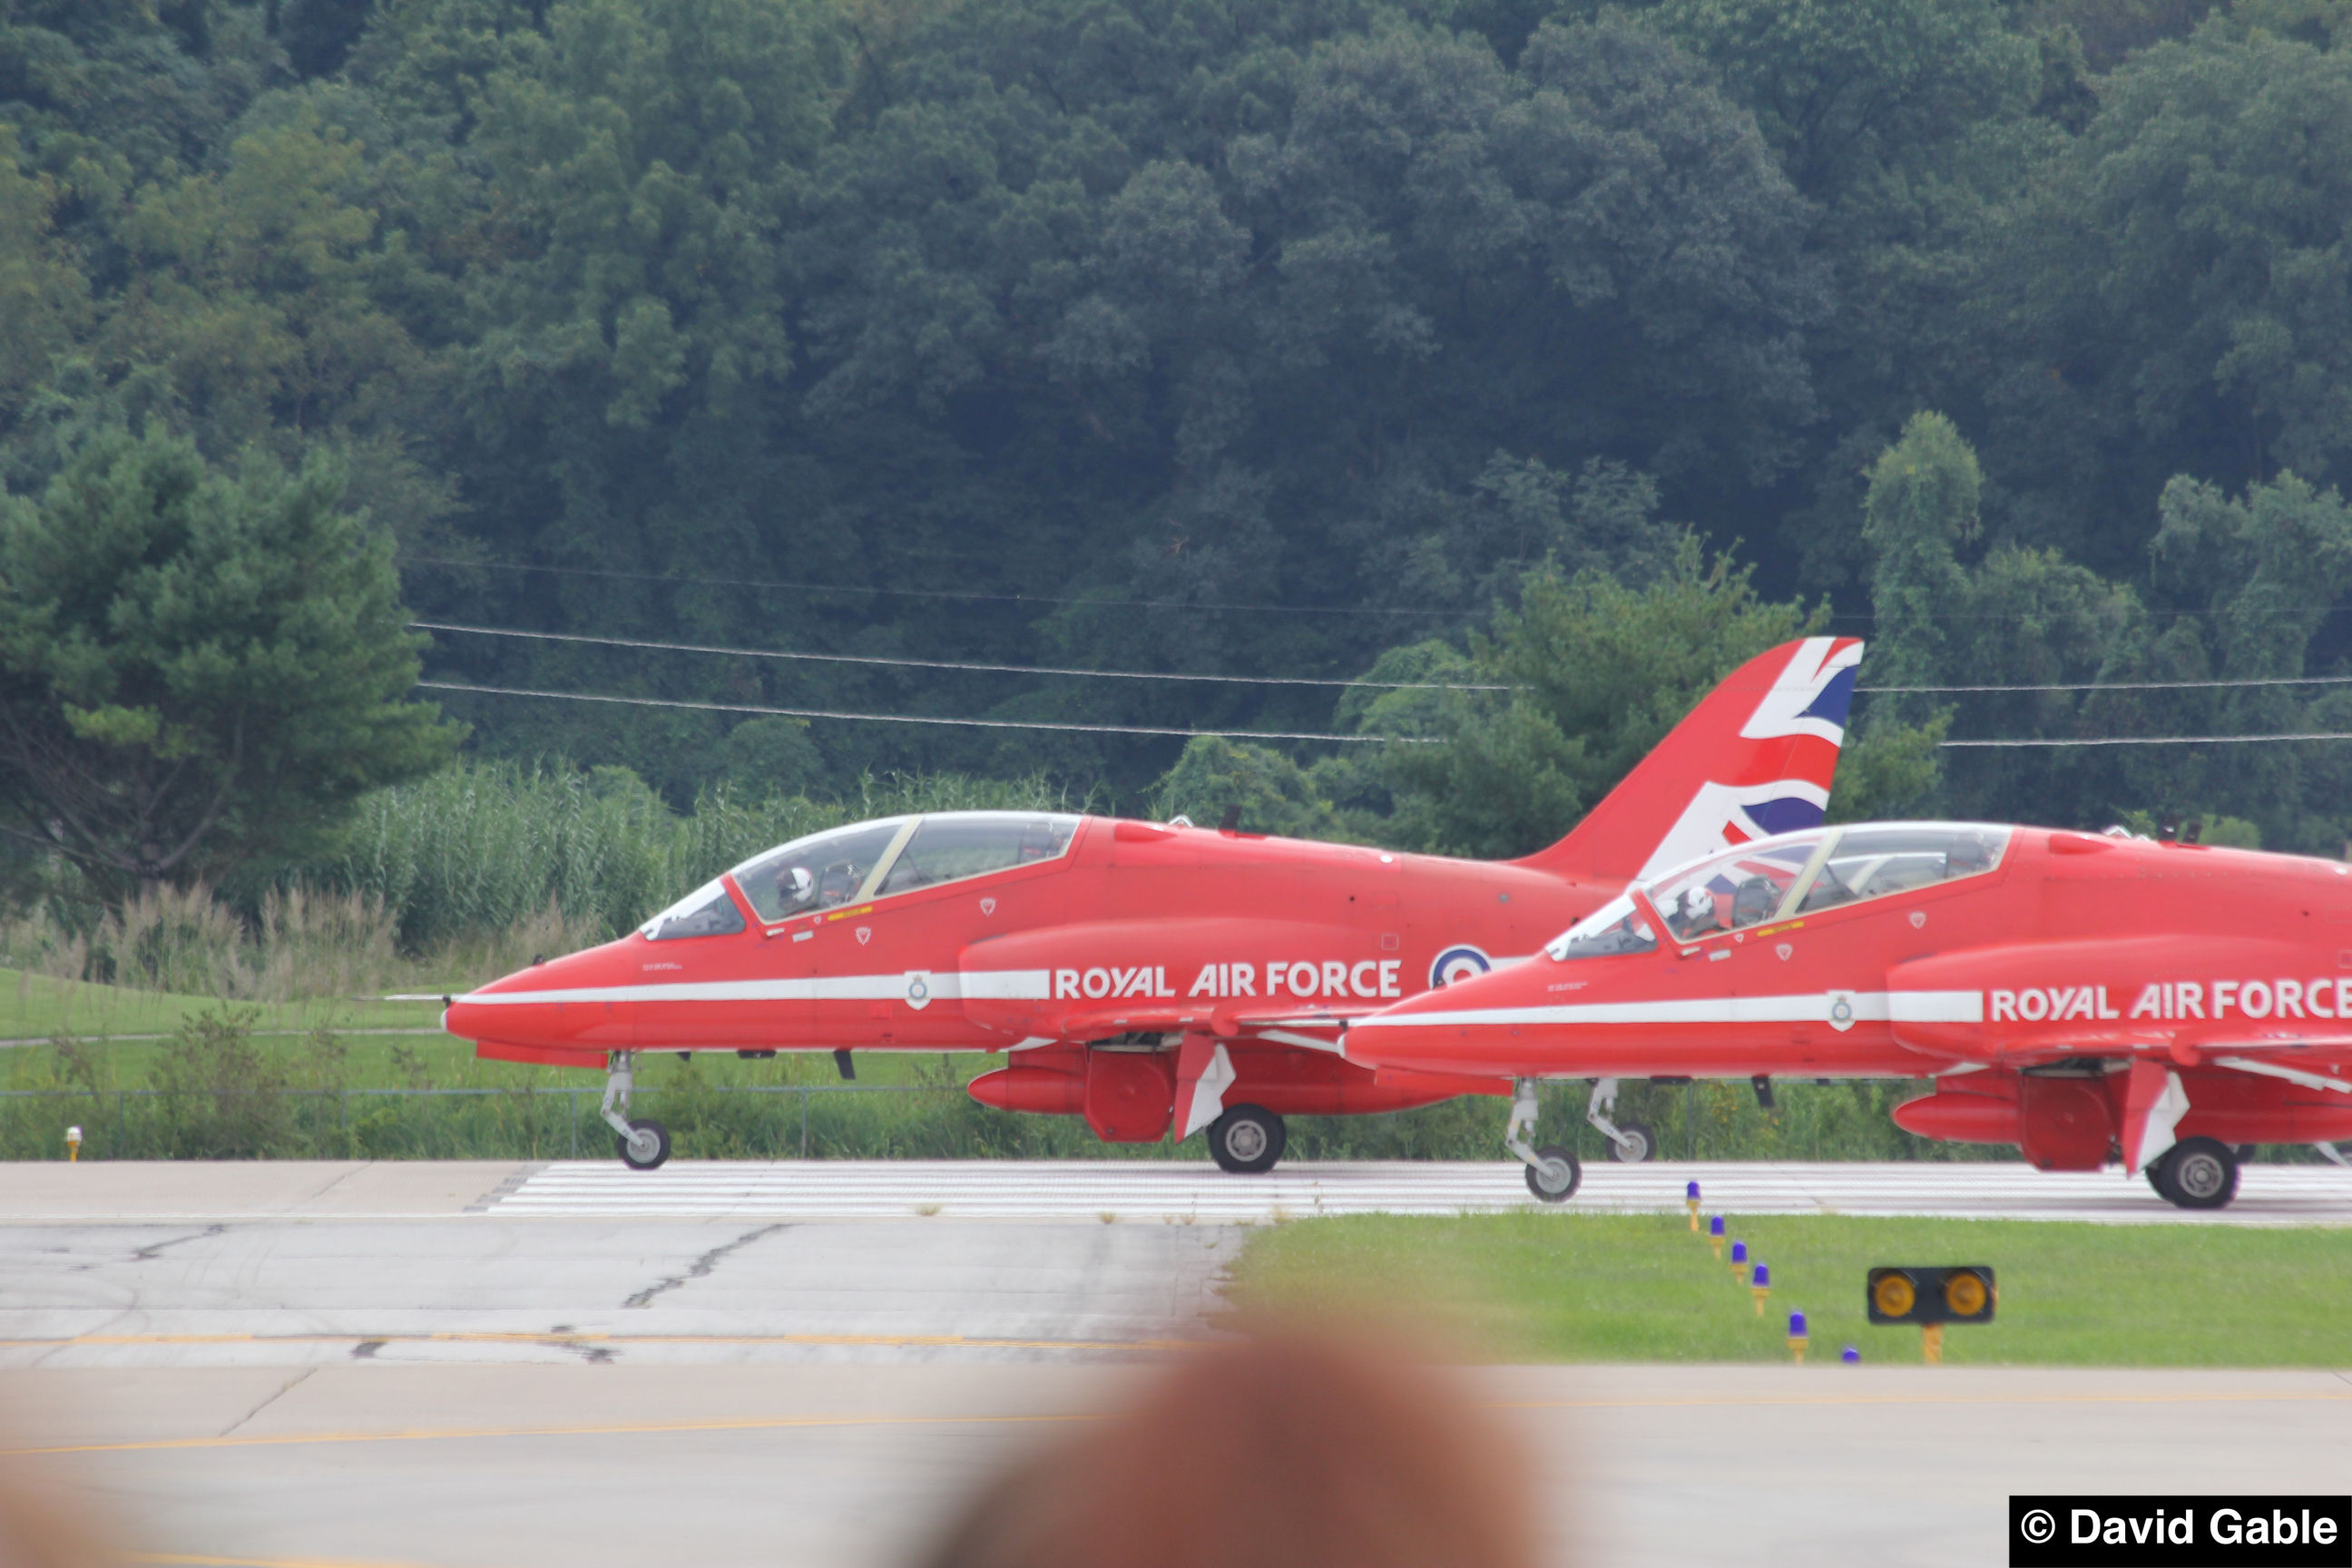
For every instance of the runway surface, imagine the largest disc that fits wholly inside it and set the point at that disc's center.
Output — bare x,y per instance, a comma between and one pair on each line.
496,1365
584,1467
2272,1194
1117,1192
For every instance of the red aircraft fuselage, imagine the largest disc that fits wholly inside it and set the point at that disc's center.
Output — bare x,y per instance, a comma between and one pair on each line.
1135,973
2086,997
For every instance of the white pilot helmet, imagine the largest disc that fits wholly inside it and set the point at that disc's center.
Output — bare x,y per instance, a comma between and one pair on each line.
1698,903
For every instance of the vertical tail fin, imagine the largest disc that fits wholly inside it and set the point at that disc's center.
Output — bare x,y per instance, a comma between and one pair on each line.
1756,757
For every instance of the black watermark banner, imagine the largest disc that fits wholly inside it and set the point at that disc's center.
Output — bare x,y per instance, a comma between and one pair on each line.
2190,1532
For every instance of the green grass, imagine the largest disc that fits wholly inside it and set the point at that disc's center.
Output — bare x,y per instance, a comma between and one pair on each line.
1633,1288
42,1007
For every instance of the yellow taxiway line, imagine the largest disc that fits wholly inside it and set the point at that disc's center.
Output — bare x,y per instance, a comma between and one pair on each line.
793,1422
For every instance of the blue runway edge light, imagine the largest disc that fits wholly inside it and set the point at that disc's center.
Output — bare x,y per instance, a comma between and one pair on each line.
1738,1252
1763,1274
1690,1191
1715,1225
1850,1355
1796,1325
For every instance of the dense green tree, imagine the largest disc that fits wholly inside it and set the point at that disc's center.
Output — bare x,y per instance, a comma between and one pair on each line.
2173,293
197,669
1599,672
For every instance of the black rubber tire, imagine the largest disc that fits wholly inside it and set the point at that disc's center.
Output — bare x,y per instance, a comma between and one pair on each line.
1640,1132
1552,1154
661,1146
2197,1174
1247,1140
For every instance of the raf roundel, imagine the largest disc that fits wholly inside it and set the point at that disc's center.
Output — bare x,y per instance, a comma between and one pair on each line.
1461,963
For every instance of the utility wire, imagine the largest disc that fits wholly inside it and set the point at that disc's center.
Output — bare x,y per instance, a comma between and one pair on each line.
2154,741
2132,685
921,593
947,664
1302,679
921,718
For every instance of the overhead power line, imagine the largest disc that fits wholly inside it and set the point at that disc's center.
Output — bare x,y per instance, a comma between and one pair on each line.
2154,741
2131,684
920,718
947,664
963,593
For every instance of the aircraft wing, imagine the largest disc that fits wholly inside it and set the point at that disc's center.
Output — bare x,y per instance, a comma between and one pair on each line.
1316,1031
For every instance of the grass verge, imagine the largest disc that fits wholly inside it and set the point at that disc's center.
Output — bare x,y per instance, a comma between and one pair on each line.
43,1007
1640,1288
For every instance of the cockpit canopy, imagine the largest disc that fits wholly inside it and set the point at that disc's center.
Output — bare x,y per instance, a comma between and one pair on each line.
870,860
1794,874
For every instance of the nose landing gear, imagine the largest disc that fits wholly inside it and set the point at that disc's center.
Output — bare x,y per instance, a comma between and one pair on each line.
643,1145
1628,1145
1553,1173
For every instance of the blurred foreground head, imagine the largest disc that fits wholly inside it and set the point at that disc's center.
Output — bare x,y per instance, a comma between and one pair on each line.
1282,1451
35,1531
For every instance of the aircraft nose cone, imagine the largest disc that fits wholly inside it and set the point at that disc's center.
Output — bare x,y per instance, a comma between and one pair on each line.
576,1003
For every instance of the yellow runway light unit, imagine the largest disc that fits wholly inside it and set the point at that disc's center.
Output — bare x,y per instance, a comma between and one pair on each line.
1931,1296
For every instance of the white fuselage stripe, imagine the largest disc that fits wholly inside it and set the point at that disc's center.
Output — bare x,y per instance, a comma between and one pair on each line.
1007,985
1810,1007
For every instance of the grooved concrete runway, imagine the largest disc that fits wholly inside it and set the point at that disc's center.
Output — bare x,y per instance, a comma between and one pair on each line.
520,1366
2269,1195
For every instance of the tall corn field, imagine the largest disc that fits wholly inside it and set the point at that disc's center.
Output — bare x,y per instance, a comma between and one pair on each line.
489,846
477,868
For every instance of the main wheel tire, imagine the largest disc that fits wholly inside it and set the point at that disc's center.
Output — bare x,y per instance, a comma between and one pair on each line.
1247,1140
1556,1175
1645,1142
2200,1173
646,1146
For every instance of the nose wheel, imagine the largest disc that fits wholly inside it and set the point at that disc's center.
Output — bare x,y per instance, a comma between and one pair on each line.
1553,1172
643,1145
1553,1175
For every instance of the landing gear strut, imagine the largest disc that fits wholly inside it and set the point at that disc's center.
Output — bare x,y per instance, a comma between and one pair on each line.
1552,1172
1628,1145
643,1144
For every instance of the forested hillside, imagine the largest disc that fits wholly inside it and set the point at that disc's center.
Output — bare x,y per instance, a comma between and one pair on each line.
1570,353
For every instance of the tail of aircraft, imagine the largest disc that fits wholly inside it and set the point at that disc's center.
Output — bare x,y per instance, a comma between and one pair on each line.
1756,757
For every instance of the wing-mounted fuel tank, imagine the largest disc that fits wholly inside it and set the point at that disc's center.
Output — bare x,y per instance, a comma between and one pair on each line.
1112,977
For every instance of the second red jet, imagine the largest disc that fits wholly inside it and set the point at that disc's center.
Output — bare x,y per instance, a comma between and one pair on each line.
2089,997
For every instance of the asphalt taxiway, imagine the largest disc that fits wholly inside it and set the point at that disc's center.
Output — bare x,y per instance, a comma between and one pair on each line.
504,1366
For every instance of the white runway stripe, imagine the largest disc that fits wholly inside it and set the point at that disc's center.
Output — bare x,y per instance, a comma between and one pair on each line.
1156,1191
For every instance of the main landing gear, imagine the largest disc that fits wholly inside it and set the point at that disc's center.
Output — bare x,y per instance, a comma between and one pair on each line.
643,1144
1552,1172
1629,1144
1247,1140
2195,1174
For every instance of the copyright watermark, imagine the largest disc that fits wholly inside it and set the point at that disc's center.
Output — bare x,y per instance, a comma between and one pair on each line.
2156,1531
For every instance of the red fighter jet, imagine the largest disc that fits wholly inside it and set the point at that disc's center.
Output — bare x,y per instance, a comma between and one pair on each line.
1136,972
2088,997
